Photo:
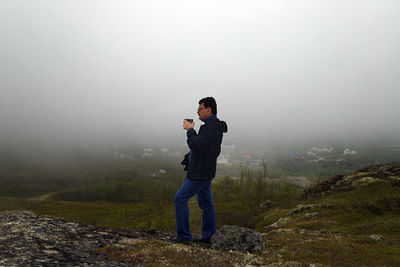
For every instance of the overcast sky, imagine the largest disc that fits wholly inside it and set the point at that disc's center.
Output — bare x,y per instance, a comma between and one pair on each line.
134,69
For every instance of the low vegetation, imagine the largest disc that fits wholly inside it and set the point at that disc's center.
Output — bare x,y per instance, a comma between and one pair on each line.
353,221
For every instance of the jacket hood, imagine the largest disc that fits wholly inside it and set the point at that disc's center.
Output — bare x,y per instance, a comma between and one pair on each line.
222,126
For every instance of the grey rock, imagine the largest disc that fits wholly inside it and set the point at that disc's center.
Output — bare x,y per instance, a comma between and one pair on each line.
375,237
231,237
300,208
268,204
309,215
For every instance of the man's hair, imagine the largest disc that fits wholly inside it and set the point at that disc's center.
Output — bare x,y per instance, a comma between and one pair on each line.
209,102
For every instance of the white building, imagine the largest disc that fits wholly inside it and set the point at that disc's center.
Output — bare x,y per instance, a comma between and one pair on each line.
349,152
321,149
222,160
164,149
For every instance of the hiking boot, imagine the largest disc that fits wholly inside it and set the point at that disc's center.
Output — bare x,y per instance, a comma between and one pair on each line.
202,240
176,239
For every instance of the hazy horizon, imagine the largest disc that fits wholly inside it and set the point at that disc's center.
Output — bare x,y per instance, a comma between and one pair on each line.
282,72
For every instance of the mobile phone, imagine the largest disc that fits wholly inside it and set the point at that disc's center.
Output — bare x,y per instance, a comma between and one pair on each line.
189,120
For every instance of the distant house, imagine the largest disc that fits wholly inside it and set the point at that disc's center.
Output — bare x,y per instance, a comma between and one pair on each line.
223,160
255,163
228,146
147,152
247,155
118,155
349,152
147,155
339,160
295,156
314,151
164,149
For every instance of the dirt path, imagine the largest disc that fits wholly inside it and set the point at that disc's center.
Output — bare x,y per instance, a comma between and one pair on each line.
42,197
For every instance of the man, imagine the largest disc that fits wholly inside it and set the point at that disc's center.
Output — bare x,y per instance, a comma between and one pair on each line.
205,147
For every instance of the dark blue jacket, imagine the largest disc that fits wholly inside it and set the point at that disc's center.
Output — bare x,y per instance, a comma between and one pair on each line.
205,147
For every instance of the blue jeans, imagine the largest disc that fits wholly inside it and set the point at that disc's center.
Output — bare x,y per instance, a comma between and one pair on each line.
203,191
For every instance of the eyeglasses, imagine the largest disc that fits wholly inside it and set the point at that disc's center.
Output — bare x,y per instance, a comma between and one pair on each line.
200,109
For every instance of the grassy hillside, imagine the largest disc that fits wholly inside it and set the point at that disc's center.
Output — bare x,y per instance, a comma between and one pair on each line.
346,220
350,220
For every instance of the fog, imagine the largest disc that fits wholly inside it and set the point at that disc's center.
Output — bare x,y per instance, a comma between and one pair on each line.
281,71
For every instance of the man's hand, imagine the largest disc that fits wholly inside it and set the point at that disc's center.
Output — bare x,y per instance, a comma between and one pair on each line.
187,125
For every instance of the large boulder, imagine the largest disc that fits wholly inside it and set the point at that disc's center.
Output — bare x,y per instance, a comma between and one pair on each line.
230,237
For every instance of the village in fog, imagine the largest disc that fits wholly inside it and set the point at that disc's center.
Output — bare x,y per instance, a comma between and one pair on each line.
236,157
231,155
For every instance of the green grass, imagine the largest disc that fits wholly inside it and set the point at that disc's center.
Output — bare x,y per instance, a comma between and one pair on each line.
17,204
338,235
141,216
135,216
334,250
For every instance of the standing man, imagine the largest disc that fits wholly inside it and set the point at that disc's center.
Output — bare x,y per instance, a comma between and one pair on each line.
205,147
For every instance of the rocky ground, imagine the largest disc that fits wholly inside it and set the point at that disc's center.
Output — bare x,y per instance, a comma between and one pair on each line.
28,239
388,172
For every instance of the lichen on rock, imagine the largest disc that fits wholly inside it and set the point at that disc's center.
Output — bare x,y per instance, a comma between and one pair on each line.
29,239
230,237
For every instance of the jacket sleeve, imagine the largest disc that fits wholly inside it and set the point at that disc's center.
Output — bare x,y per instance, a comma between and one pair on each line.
197,142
